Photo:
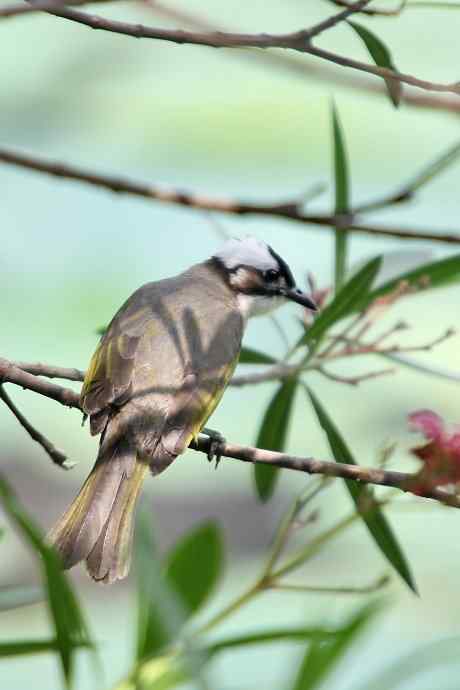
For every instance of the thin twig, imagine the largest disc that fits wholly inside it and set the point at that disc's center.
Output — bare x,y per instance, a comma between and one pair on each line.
354,380
374,11
57,456
51,372
289,210
365,589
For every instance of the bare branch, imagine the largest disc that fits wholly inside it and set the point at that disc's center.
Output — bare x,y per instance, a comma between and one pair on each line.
376,12
321,589
51,372
352,8
298,41
366,475
400,480
57,456
9,373
354,380
15,9
288,210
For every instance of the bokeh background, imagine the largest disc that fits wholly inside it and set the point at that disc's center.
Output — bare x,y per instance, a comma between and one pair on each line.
221,122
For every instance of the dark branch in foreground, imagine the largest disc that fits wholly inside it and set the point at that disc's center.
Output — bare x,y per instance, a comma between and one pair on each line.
288,210
9,373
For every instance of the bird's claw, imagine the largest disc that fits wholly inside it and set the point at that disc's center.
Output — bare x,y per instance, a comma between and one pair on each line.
216,441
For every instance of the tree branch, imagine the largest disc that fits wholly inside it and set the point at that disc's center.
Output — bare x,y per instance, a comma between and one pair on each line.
380,477
57,456
9,373
365,475
15,9
288,210
298,41
314,69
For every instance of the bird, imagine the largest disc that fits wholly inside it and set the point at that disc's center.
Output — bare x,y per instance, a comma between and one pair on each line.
158,373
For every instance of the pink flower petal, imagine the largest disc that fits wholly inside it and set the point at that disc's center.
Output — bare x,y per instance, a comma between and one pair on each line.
428,422
452,443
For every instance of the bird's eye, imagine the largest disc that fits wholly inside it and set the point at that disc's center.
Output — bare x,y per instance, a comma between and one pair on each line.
271,275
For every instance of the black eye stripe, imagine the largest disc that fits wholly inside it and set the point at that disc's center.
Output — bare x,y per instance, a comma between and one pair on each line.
284,268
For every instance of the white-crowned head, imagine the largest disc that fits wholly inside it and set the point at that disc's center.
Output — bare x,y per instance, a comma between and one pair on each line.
261,279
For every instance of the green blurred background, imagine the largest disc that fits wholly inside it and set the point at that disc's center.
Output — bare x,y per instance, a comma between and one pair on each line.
218,122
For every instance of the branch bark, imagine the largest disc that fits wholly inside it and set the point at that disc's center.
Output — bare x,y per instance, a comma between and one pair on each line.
300,41
289,210
56,455
380,477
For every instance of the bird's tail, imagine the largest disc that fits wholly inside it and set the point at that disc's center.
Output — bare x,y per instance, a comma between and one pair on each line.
98,525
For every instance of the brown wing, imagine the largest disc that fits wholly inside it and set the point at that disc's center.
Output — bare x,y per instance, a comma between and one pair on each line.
208,370
108,380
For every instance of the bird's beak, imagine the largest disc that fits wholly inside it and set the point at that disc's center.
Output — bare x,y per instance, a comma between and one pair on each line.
296,295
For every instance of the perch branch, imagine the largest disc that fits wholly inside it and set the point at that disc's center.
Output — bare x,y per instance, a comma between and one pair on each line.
289,210
380,477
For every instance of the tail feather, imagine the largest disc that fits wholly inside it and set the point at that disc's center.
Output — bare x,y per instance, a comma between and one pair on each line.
98,526
110,557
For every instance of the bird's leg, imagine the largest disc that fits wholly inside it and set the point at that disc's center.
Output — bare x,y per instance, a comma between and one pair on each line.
216,440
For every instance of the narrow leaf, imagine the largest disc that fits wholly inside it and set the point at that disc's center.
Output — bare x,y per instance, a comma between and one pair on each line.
363,498
351,296
272,435
159,617
195,565
342,203
25,647
250,356
68,621
268,636
431,275
169,593
321,657
382,58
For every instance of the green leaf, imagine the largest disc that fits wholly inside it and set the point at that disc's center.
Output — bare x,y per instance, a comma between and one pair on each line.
195,565
431,275
14,597
363,498
267,636
170,593
250,356
350,297
71,631
321,657
159,618
272,435
342,203
382,58
24,647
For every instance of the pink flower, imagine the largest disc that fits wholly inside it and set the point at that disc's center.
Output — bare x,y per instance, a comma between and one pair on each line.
441,455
